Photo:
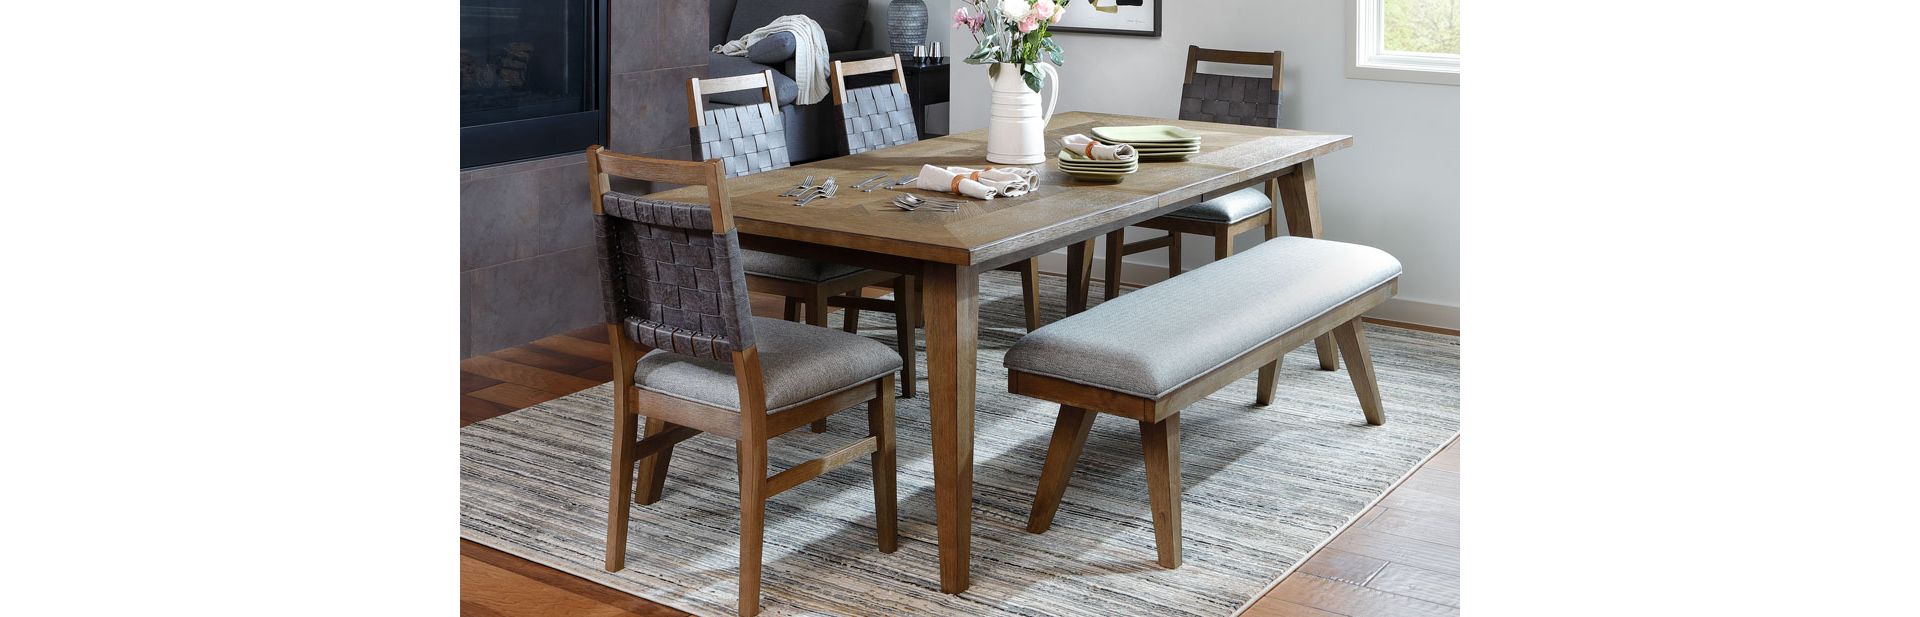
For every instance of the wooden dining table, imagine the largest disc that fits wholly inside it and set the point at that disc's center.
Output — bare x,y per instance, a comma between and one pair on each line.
949,250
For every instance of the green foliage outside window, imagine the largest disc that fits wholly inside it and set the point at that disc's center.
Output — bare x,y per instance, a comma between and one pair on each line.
1430,26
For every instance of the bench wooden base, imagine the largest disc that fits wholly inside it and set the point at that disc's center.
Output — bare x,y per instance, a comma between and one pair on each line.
1159,418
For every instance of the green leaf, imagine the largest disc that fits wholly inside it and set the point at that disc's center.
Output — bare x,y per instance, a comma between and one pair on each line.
1032,79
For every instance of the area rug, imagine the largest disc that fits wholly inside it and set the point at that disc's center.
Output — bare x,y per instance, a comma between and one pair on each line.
1263,488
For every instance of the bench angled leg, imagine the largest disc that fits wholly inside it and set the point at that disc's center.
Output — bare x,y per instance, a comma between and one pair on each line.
1269,373
1353,345
1069,437
1161,442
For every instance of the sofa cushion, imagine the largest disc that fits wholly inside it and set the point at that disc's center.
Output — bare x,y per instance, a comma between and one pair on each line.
721,65
840,19
1149,342
773,50
799,363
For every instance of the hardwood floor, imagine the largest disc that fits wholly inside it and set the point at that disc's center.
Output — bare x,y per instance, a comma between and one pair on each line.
1402,557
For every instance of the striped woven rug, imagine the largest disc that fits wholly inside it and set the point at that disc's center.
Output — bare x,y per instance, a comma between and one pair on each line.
1263,488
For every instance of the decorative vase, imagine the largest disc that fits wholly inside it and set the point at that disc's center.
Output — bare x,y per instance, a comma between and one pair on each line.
906,25
1016,127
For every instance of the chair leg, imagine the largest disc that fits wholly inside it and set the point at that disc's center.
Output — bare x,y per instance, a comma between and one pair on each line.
792,310
1030,292
651,482
906,311
1222,243
1161,443
753,511
620,484
1173,254
1070,431
817,316
1353,345
850,316
1269,373
885,499
1116,255
1079,270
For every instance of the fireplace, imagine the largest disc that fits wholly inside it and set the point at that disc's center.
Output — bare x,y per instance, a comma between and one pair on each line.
532,78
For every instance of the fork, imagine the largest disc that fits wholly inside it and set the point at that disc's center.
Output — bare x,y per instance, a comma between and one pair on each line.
911,206
909,201
862,185
903,181
826,190
796,191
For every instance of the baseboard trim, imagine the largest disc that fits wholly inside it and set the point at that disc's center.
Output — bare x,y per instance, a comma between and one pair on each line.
1414,314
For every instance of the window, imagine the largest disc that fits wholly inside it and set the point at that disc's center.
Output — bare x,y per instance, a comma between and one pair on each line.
1404,40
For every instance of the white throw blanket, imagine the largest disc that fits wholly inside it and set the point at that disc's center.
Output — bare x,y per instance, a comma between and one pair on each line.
809,53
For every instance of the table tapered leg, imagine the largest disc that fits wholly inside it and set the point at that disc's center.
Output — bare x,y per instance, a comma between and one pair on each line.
952,309
1300,198
1079,275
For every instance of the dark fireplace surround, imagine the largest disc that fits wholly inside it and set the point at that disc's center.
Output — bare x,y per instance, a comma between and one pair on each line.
533,78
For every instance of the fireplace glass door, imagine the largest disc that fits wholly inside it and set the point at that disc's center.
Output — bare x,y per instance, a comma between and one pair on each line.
529,78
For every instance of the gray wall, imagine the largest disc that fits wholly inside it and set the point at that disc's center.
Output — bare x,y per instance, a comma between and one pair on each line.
1397,188
526,246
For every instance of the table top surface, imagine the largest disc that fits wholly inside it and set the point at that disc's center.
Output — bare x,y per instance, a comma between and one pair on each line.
1230,155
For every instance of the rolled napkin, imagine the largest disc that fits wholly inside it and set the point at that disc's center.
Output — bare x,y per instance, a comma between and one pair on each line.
938,179
1098,151
1007,181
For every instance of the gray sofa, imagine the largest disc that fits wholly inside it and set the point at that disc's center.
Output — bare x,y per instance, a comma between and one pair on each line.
813,131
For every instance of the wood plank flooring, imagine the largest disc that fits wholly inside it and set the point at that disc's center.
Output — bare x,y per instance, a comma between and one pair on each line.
1402,557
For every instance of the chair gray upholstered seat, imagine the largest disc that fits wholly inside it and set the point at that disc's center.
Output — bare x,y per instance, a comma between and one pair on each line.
1230,208
799,363
793,268
1128,344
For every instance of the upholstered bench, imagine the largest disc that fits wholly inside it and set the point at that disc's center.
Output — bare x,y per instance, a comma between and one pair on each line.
1148,354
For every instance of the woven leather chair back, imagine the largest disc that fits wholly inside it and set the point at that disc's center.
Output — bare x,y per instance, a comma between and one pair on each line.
1231,99
874,117
748,139
877,117
671,281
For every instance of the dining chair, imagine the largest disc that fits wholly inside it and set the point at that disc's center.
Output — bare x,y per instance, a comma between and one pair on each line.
881,116
751,139
1207,97
672,280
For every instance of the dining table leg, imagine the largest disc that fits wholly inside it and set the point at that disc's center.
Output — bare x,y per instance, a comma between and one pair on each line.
951,305
1300,198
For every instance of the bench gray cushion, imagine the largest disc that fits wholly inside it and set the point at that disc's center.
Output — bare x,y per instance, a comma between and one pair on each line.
793,268
1149,342
799,362
1229,208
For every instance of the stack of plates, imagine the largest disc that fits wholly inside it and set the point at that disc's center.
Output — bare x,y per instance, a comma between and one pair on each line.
1155,143
1083,168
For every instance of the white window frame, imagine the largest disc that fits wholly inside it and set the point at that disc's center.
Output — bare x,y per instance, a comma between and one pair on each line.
1366,60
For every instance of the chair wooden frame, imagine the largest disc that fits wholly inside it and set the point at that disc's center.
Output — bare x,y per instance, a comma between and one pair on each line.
1029,269
818,296
1159,418
670,420
1117,247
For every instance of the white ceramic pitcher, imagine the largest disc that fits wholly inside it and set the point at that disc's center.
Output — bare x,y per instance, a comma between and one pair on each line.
1016,129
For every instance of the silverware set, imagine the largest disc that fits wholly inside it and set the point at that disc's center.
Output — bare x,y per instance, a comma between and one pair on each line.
911,202
807,191
807,194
